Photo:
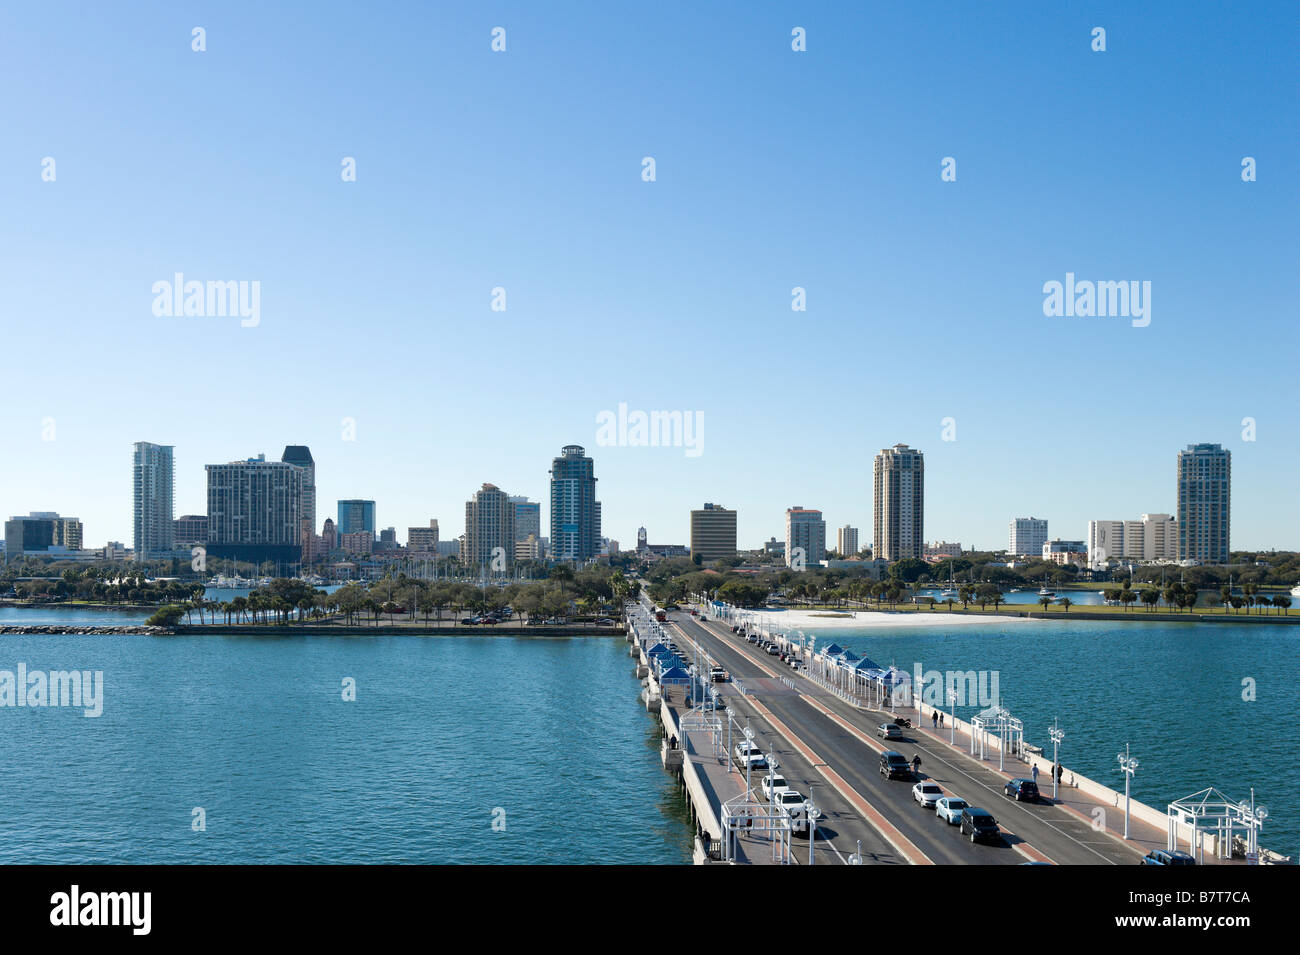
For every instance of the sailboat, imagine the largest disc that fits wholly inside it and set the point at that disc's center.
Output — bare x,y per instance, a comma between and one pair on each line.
951,589
1043,591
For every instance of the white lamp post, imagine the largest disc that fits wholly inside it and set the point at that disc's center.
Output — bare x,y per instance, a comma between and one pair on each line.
1057,734
813,813
952,715
1128,765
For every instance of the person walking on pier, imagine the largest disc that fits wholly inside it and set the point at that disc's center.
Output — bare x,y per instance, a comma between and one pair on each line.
934,718
1035,774
916,765
941,719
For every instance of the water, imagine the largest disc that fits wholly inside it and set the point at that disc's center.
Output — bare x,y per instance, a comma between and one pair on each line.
1172,690
444,732
1082,598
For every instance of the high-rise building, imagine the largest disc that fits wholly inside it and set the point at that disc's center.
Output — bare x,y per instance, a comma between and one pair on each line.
300,456
153,481
1154,537
575,512
846,541
39,531
805,530
329,537
190,530
356,516
900,503
423,540
489,524
1027,537
1204,503
254,511
528,517
713,533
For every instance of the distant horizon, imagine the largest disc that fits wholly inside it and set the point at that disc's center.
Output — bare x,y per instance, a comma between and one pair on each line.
1030,259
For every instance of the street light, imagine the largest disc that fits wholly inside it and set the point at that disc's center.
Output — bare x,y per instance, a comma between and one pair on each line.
1057,734
749,758
952,716
1128,765
813,813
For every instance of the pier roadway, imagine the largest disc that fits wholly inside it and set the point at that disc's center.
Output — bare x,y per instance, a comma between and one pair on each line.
841,827
843,737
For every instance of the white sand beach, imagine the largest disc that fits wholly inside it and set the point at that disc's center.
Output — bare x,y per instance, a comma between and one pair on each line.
814,620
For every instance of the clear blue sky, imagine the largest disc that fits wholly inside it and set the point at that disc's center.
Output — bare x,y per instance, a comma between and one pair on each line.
775,169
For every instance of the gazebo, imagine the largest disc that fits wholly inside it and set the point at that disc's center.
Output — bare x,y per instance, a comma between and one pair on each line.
1210,811
997,721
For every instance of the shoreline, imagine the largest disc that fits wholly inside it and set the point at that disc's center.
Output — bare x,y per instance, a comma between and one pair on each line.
309,630
919,617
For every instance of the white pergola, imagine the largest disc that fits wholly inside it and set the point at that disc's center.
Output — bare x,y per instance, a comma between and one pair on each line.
746,813
997,721
1210,811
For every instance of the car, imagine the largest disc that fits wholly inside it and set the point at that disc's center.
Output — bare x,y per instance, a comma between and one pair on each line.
889,731
470,621
949,809
979,824
774,783
748,754
735,629
695,613
927,794
752,638
719,675
793,802
894,765
704,618
604,622
1167,857
1021,790
772,649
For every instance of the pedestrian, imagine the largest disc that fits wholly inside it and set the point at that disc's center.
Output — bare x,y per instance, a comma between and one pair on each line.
941,719
1035,774
1058,773
916,765
672,742
934,719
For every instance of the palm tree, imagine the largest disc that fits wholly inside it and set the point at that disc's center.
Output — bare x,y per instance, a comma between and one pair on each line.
1065,602
1045,601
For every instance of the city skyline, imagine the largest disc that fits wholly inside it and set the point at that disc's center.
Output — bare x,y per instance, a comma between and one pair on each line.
775,171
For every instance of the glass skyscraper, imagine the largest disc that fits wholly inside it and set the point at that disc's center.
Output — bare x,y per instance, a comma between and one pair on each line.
1204,503
575,512
153,481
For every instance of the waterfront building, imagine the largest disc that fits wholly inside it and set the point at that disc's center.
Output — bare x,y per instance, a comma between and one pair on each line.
489,525
299,455
804,529
40,532
450,548
190,530
530,548
1026,537
254,511
1204,503
357,543
356,516
942,550
1066,552
153,484
846,541
423,540
899,503
1153,538
1105,542
575,512
713,533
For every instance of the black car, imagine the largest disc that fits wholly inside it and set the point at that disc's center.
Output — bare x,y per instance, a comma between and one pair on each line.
979,825
735,629
1167,857
894,765
1021,790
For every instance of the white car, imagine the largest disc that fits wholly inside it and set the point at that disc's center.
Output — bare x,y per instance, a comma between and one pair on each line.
747,754
774,783
795,804
927,794
950,808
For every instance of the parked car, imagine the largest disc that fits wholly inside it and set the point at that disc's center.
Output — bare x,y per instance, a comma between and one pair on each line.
470,621
889,731
604,622
719,675
894,765
774,783
735,629
748,754
927,794
979,824
949,809
794,803
1167,857
773,649
1021,790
